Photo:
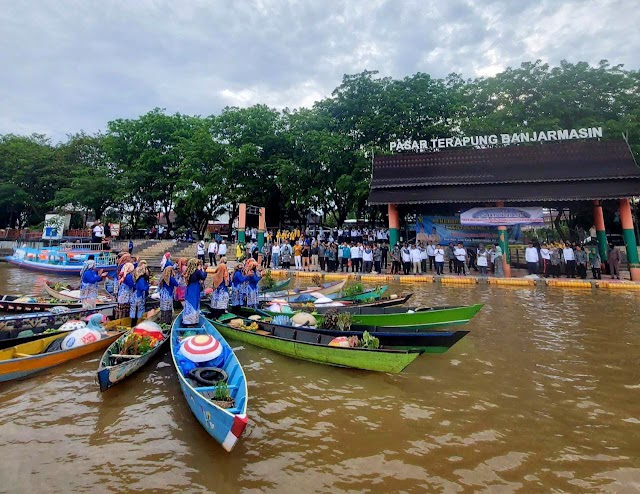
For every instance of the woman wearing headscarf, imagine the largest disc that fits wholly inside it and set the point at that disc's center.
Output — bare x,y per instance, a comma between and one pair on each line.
238,287
166,261
498,271
139,294
220,294
181,269
194,275
123,259
253,273
125,290
165,289
90,277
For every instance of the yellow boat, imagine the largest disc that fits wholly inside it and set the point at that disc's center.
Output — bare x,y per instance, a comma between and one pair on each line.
28,358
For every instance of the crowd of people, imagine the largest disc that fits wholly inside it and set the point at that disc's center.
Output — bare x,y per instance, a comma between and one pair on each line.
572,259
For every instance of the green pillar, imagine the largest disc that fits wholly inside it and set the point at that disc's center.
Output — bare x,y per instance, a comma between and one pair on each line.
601,234
241,236
260,241
629,239
394,235
503,241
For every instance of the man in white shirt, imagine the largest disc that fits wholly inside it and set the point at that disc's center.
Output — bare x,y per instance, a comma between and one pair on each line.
423,258
439,259
406,259
213,252
570,261
431,253
222,249
98,232
356,258
545,254
461,257
200,251
415,259
532,258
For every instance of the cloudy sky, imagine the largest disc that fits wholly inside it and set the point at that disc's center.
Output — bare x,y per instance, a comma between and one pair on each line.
70,65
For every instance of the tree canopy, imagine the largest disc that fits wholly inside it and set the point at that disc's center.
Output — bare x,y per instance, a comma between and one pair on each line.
301,161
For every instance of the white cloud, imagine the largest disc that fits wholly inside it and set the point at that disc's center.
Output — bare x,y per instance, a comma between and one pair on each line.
72,65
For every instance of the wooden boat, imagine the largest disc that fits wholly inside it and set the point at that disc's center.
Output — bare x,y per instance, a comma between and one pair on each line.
368,295
387,302
427,318
12,326
114,367
279,285
428,342
28,358
71,295
305,344
225,425
325,289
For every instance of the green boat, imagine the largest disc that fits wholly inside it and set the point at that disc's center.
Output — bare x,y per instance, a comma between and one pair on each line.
425,319
279,285
308,345
369,295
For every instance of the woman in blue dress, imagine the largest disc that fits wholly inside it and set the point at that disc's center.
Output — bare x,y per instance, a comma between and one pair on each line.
194,276
220,294
165,289
139,293
253,274
238,287
125,288
90,277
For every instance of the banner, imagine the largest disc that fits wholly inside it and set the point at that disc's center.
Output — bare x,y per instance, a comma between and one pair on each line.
115,229
53,227
502,216
450,230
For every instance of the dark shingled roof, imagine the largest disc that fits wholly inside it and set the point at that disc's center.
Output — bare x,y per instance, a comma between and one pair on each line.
561,171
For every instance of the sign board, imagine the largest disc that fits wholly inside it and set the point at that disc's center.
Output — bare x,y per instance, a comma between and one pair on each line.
505,216
115,229
53,226
503,139
449,229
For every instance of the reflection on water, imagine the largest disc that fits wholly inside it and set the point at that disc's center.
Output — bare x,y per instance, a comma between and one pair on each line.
542,396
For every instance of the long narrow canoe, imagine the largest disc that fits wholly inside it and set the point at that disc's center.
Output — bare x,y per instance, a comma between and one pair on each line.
388,302
13,324
69,297
428,342
114,368
28,358
369,295
292,295
412,321
225,425
308,345
279,285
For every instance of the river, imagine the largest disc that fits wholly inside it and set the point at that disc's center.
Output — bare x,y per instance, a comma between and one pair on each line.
542,396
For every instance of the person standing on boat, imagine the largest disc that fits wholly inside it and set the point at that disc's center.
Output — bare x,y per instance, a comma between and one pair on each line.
220,294
165,289
125,289
195,275
123,259
181,269
90,277
238,287
253,274
139,293
166,261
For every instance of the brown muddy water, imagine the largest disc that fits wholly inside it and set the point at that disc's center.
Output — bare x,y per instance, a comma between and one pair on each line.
542,396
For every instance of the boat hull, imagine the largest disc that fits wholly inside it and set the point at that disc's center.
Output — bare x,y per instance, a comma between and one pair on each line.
55,268
224,425
11,325
392,361
426,319
110,375
280,285
292,295
25,366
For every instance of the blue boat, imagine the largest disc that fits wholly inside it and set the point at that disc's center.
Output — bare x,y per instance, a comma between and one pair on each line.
64,259
225,425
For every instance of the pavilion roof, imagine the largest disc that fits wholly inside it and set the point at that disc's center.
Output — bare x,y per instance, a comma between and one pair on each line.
562,171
